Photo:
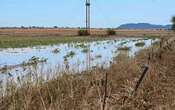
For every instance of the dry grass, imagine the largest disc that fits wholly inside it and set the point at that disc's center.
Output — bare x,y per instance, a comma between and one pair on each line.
85,91
74,32
11,38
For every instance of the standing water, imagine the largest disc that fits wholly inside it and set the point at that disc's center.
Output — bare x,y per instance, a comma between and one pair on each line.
49,60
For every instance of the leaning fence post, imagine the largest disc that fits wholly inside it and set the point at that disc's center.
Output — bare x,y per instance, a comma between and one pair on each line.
105,91
141,78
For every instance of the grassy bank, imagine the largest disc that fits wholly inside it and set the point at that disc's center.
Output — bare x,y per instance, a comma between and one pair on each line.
86,91
16,38
29,41
19,41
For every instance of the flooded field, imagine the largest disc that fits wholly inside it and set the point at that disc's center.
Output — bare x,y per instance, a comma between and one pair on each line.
75,57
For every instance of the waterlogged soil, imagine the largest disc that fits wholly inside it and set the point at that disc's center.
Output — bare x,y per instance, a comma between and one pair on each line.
76,57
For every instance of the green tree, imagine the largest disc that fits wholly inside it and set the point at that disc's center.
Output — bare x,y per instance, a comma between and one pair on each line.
55,27
173,21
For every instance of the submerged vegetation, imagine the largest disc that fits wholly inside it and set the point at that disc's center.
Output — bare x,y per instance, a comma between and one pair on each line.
86,50
98,56
33,61
81,45
103,50
124,42
140,44
125,48
69,55
56,51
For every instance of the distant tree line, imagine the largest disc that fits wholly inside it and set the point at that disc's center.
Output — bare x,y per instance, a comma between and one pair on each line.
39,27
173,21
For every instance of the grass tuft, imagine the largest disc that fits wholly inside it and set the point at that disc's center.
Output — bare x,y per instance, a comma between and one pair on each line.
124,48
140,44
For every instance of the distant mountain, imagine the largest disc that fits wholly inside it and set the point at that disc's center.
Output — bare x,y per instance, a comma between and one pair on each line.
143,26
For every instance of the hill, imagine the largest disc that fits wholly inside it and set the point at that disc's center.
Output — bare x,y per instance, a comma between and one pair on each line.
143,26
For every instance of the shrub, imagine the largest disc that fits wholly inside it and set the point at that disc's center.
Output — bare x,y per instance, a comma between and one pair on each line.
111,32
83,32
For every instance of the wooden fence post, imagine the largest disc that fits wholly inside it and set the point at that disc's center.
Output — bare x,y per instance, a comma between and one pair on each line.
141,78
105,91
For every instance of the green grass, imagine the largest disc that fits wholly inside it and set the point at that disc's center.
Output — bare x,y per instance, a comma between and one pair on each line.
82,45
29,41
124,48
56,51
35,60
86,50
98,56
125,42
152,37
70,55
140,44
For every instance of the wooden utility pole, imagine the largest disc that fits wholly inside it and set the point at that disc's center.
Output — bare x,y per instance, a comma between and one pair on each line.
88,16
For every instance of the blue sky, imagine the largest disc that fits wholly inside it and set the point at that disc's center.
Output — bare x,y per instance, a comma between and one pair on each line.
105,13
